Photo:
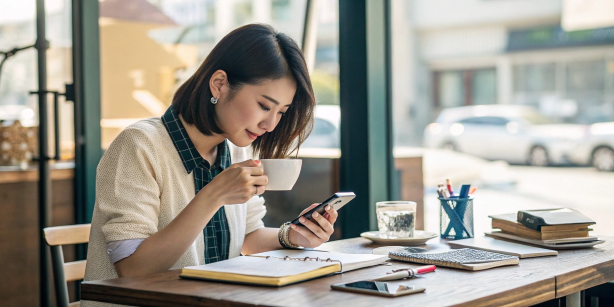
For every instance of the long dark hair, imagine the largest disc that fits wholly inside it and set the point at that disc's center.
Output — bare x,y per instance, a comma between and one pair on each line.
252,54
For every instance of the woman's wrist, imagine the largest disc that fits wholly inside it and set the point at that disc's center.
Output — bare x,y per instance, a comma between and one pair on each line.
292,236
209,196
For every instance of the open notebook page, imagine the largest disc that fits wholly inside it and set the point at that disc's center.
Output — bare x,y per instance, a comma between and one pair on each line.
349,261
256,266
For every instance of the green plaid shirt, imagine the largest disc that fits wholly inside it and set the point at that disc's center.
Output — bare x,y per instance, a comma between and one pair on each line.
216,233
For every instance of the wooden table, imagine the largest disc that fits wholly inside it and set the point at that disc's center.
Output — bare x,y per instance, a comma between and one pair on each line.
533,281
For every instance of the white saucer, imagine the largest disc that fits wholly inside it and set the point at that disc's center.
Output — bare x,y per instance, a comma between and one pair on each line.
420,237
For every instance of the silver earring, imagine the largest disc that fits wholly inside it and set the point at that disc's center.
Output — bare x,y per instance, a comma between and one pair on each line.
213,100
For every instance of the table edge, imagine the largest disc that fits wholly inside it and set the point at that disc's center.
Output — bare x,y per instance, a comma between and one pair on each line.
530,294
99,293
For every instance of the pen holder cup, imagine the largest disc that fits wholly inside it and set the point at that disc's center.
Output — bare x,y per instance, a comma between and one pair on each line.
456,218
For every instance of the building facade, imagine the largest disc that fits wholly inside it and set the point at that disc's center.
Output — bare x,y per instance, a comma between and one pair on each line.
470,52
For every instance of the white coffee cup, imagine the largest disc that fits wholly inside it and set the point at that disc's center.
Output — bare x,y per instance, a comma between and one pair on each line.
282,173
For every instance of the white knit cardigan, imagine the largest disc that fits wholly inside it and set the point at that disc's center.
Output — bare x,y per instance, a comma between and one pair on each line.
141,186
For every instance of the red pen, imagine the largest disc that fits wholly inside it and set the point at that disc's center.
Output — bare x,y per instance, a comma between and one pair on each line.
405,273
449,187
424,269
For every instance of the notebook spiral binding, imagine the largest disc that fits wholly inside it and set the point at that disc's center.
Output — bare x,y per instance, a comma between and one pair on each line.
309,259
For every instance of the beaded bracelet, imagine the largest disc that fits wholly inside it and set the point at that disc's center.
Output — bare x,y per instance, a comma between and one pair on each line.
280,236
284,236
287,237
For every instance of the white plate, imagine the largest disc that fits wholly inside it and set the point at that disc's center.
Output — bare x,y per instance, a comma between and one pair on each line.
420,237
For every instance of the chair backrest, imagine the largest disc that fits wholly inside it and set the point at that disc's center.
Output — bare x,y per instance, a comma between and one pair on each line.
69,271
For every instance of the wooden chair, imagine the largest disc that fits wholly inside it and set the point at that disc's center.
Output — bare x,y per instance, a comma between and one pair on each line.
69,271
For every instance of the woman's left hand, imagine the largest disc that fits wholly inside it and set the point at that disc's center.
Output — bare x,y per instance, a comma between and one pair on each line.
317,230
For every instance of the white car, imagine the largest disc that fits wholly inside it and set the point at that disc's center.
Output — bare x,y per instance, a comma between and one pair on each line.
598,149
513,133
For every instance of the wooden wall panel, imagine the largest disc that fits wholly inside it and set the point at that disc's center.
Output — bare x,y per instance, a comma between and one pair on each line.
19,235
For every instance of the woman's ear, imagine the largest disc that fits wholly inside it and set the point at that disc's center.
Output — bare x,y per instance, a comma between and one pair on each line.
217,81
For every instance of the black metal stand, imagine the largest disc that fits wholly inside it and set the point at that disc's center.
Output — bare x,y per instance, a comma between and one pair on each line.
44,189
69,94
44,181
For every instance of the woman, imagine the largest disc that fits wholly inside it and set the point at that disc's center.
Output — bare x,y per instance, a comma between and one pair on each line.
167,195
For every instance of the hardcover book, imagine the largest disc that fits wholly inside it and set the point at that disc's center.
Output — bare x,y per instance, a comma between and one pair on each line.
557,244
535,219
518,229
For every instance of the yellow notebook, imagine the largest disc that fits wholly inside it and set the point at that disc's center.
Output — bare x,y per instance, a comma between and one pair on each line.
281,267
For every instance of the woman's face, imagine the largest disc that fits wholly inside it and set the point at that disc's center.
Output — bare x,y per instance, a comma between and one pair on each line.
253,110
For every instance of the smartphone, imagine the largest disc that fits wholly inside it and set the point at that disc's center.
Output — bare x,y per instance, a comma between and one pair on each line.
337,201
378,288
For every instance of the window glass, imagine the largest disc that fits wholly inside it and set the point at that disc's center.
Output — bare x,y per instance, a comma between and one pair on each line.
472,63
451,90
586,76
484,87
586,91
472,121
535,77
325,79
150,48
280,10
323,127
19,72
486,120
495,121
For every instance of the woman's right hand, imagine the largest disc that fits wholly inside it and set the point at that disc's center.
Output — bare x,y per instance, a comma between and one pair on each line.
238,183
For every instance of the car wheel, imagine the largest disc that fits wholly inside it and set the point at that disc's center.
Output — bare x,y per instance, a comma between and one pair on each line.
538,156
603,159
449,146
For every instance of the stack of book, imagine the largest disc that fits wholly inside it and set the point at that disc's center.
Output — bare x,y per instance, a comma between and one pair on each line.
553,228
